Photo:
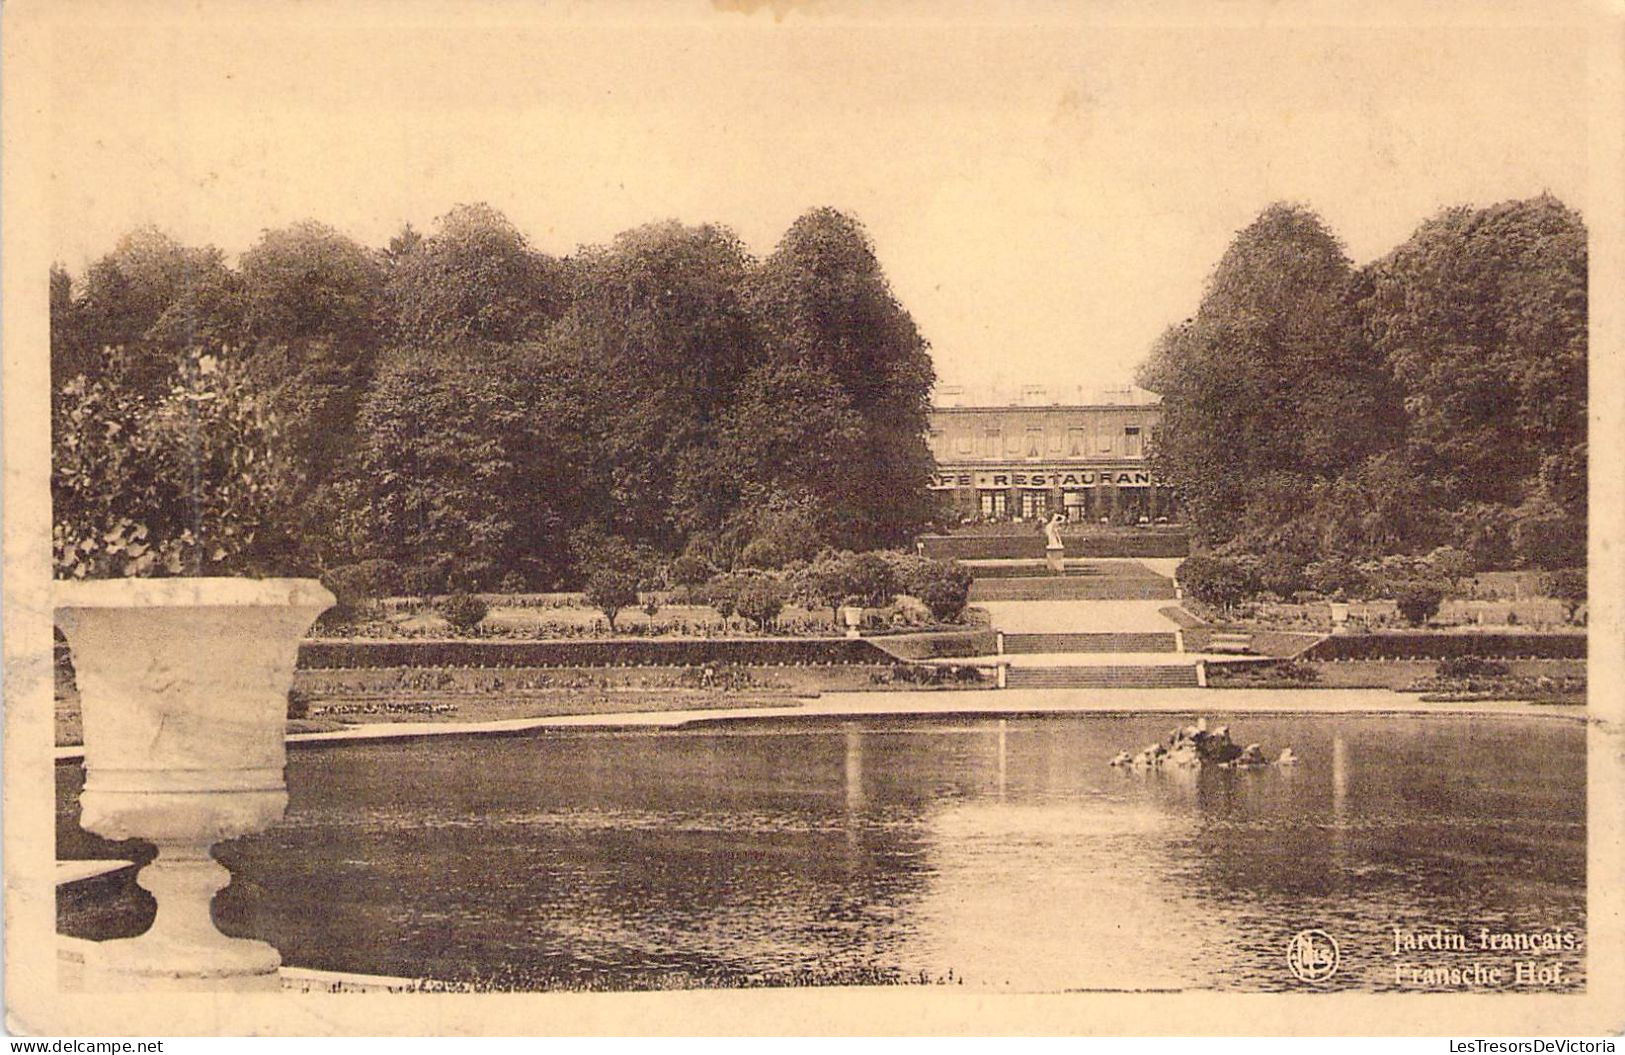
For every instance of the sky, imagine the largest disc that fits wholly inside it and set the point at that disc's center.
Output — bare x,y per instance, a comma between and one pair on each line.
1047,187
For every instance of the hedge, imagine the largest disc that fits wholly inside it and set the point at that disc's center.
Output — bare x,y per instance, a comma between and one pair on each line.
953,644
996,547
1424,645
327,655
1118,568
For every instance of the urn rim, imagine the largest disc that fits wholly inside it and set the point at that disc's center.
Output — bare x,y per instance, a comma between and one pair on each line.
189,592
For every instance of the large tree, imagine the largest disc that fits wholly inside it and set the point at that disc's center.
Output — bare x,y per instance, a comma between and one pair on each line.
658,316
474,279
1270,387
473,462
1482,317
148,303
826,310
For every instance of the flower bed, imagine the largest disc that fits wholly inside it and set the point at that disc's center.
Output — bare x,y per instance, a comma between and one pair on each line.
1425,645
319,654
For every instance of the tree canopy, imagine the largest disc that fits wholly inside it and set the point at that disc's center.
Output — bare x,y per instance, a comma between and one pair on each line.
1435,396
458,406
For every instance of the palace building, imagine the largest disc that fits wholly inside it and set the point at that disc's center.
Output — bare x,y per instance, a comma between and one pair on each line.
1084,456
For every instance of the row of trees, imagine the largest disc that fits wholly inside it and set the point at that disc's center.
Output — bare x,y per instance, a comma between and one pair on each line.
1434,397
471,409
617,578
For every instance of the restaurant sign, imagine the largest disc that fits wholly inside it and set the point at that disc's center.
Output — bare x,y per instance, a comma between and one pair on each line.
1040,479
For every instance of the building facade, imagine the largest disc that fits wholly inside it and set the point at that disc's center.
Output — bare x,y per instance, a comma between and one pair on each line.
1026,460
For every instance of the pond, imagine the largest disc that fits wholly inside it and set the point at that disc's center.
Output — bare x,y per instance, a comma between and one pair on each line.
986,852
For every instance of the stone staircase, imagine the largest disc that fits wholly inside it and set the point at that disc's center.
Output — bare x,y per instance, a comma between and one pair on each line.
1028,644
1072,588
1029,543
1102,677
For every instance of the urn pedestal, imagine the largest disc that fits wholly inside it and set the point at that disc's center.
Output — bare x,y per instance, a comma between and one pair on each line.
183,685
1055,557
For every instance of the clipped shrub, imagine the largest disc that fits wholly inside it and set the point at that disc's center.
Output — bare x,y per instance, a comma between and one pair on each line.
463,611
1222,582
513,582
761,600
945,591
867,580
1418,601
1471,667
822,583
610,589
1567,585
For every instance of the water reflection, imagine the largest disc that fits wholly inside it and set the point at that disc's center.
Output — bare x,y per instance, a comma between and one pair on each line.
1000,853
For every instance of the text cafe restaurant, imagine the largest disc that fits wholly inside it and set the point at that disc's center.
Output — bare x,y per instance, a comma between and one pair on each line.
1029,459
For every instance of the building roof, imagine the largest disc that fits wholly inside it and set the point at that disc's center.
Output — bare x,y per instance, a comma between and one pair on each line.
962,397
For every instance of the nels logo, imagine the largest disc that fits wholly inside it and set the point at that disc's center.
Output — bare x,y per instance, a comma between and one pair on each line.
1313,956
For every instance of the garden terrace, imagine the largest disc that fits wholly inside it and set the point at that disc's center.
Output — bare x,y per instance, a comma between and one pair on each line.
1442,645
622,653
1029,545
1281,644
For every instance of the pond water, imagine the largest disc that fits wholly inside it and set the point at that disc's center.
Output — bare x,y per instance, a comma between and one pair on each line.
988,853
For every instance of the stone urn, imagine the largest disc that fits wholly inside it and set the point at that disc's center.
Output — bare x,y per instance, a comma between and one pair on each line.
183,685
1340,617
853,616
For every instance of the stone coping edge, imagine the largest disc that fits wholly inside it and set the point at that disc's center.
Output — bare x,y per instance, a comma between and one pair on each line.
182,592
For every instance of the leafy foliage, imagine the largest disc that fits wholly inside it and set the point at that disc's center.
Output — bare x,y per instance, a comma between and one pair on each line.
761,600
610,588
1418,601
184,485
463,611
1435,398
473,280
1222,582
1569,586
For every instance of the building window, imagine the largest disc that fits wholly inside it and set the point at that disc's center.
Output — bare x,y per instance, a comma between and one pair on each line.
1105,442
993,503
1035,443
1034,504
937,448
990,443
1076,445
1131,441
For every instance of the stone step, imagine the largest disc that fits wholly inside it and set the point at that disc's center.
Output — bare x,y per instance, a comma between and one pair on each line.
1098,570
1155,543
1125,641
1072,588
1105,677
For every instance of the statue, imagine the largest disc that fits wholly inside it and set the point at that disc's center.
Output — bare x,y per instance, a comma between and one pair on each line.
1052,531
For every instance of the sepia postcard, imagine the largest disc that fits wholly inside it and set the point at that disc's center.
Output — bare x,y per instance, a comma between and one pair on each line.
813,517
